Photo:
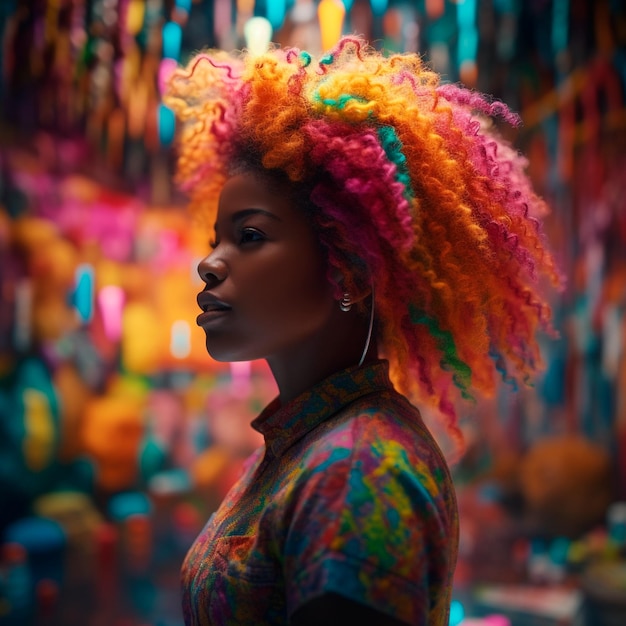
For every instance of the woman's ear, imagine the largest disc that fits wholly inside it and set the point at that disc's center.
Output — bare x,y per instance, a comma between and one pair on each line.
360,288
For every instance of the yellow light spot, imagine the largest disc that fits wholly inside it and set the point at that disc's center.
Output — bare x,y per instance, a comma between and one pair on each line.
38,442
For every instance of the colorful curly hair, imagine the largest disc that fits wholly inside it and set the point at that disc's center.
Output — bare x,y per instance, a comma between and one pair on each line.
403,175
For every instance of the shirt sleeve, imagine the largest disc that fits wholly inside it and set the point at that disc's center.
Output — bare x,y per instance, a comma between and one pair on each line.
364,524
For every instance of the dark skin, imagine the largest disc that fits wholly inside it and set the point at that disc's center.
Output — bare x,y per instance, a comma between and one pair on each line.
267,296
268,266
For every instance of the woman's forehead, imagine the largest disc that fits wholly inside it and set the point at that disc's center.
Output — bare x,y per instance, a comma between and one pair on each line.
251,190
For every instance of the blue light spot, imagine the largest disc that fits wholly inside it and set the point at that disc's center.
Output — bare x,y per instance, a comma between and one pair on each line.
457,613
275,12
84,292
172,37
167,125
184,5
378,6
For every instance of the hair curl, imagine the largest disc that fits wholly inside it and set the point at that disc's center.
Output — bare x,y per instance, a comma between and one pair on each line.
403,175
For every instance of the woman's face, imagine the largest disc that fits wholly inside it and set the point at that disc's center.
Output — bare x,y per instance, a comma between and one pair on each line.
266,288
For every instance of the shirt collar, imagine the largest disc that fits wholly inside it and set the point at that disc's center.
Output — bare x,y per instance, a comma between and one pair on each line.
281,426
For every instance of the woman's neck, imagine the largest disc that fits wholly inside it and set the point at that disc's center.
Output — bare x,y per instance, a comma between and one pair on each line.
320,358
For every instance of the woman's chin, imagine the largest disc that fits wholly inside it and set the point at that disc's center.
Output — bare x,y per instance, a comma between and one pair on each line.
222,355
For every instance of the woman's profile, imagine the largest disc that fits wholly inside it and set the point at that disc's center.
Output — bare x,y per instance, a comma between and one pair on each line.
380,247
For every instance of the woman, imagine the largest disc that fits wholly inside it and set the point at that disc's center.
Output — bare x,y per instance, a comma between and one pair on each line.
380,249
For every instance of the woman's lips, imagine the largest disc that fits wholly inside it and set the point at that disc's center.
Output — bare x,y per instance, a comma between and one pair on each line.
212,308
207,317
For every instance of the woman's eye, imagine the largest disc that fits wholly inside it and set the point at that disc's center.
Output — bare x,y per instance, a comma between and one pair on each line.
213,244
251,235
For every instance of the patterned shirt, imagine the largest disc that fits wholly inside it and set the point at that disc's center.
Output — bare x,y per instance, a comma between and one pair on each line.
350,494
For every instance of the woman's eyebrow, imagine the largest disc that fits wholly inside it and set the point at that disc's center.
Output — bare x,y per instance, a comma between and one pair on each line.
243,213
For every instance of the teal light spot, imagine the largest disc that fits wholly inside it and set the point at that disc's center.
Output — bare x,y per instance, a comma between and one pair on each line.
172,37
275,12
467,45
167,125
457,613
378,6
84,292
560,13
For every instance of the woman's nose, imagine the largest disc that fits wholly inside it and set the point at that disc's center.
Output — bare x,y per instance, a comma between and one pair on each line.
212,269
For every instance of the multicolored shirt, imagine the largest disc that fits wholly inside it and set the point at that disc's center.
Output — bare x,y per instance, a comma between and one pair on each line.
350,494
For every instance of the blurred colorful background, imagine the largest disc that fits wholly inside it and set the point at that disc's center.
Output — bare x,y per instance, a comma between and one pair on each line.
119,435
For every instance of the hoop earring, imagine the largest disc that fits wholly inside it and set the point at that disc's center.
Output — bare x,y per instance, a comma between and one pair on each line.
345,304
369,331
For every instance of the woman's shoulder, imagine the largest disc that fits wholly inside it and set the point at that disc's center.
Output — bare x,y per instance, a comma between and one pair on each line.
386,417
383,433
